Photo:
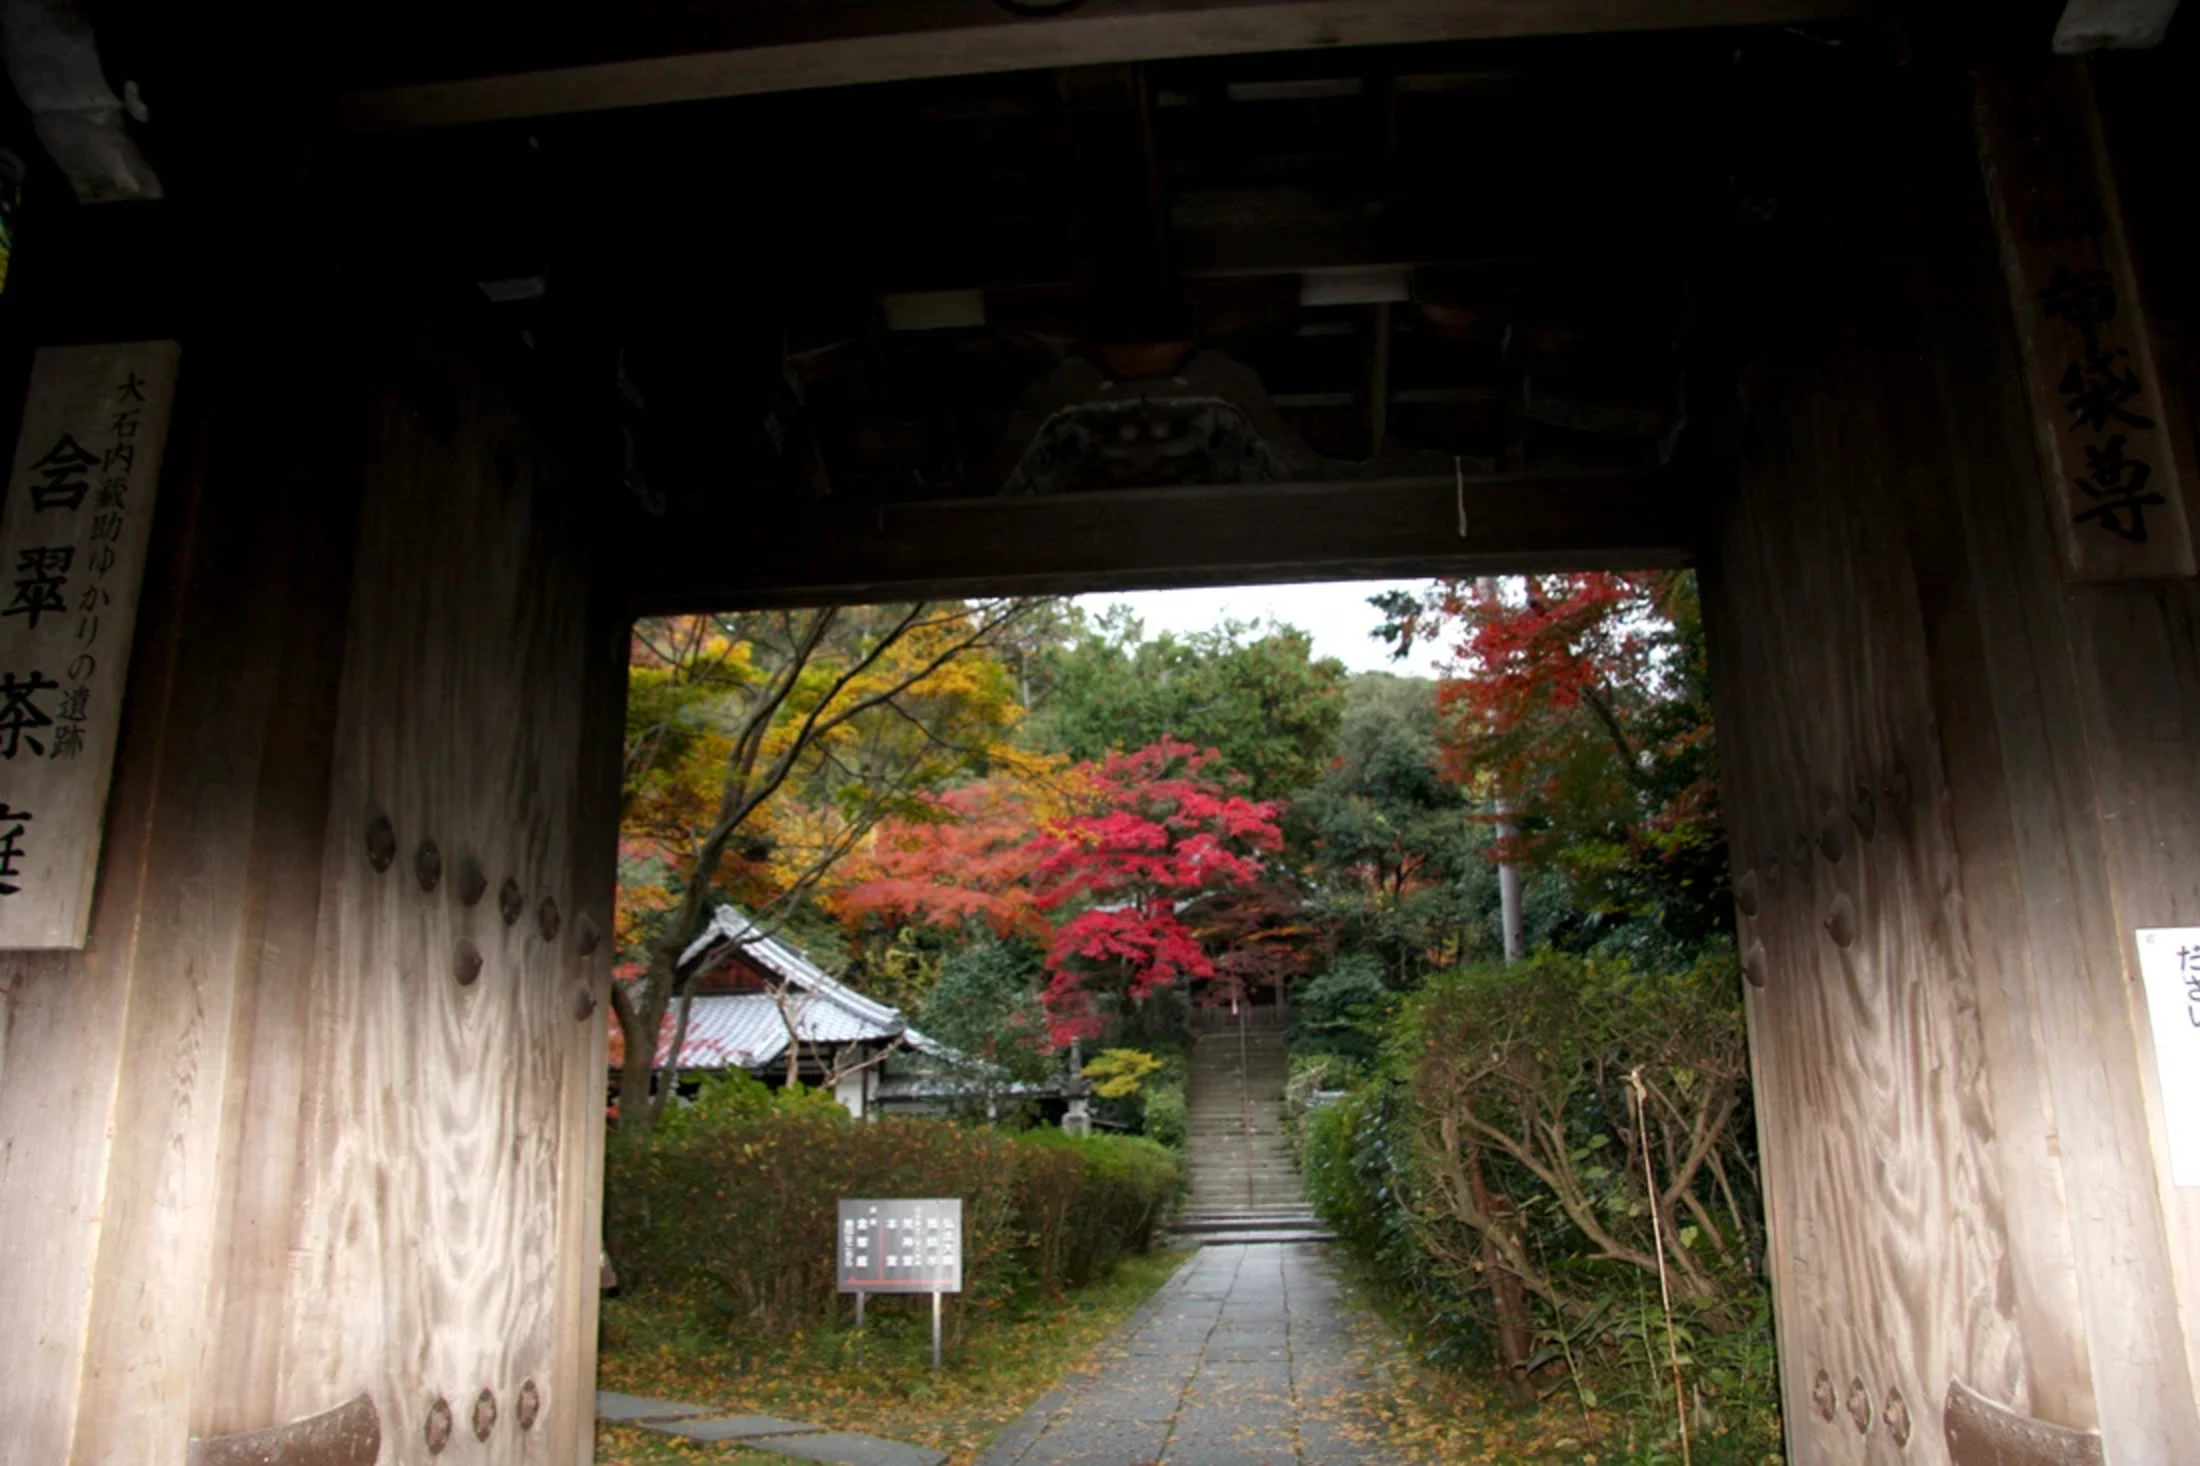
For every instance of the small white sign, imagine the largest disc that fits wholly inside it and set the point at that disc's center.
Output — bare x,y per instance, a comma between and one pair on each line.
2169,963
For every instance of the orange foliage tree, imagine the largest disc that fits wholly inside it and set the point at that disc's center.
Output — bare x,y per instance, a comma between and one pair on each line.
761,749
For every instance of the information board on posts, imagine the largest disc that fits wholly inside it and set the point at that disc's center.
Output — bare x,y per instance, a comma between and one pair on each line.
901,1246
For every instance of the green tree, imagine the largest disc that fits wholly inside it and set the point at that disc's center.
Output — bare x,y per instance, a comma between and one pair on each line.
1254,692
1398,856
986,1003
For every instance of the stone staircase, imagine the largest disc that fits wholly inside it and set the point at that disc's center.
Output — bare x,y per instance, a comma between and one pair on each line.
1244,1187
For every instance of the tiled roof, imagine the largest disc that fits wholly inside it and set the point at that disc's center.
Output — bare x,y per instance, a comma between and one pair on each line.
729,926
749,1030
958,1086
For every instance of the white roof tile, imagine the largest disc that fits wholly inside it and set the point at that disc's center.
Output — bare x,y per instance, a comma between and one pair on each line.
749,1030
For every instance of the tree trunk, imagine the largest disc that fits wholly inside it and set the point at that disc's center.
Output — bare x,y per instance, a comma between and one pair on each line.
641,1020
1515,1323
1508,888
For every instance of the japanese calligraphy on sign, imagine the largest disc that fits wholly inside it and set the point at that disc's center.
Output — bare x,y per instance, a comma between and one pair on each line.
2096,400
73,537
901,1246
2169,965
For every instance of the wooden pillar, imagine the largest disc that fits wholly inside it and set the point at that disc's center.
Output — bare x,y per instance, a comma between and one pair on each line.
1957,783
318,1113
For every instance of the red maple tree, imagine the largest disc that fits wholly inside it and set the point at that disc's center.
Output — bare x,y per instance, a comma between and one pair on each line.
1581,701
1164,835
970,859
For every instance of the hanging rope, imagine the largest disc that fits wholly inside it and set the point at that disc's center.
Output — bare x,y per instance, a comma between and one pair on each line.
1657,1236
1459,492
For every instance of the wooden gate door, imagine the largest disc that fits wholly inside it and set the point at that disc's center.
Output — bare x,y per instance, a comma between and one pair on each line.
1959,780
313,1129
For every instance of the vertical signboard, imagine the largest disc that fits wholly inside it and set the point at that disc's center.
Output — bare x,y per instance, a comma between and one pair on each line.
2089,360
2169,964
73,536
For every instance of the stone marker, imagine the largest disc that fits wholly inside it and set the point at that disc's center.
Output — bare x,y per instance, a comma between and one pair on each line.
637,1409
752,1428
846,1448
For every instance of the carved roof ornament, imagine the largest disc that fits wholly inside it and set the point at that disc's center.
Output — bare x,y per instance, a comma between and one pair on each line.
1211,424
53,59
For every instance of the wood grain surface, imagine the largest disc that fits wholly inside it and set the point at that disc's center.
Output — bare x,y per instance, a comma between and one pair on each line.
260,1153
1961,1161
447,1147
1889,1241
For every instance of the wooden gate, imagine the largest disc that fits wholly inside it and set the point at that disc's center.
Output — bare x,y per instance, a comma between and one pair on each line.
1956,785
315,1125
312,1128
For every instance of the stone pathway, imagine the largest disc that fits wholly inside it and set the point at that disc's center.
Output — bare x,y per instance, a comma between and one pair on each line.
760,1433
1243,1359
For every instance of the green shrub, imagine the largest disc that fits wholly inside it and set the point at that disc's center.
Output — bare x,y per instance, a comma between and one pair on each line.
1500,1130
1167,1121
728,1212
1082,1202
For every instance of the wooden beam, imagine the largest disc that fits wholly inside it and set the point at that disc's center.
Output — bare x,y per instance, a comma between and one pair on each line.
747,50
1148,538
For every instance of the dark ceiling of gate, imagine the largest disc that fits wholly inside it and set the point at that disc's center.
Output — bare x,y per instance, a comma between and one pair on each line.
1250,316
1492,265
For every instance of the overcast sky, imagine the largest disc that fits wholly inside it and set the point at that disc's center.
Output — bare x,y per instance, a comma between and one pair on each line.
1336,614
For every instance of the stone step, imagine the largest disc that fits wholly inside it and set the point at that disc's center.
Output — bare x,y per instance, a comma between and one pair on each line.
1257,1239
1248,1194
1232,1189
1278,1220
1234,1148
1220,1172
1244,1185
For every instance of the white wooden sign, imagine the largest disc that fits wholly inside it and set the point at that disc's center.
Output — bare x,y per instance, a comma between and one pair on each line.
2169,963
73,536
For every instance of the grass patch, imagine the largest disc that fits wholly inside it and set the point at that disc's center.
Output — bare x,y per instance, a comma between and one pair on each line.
882,1384
1442,1415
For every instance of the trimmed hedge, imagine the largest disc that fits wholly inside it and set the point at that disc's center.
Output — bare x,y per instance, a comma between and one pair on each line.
729,1212
1084,1202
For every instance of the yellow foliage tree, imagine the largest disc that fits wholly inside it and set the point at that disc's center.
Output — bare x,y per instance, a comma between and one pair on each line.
1121,1073
763,747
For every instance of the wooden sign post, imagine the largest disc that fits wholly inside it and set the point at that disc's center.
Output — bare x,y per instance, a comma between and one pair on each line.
2112,469
73,536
